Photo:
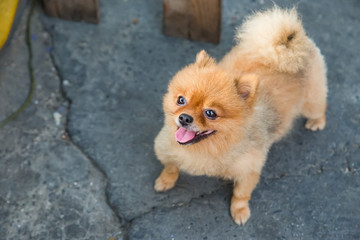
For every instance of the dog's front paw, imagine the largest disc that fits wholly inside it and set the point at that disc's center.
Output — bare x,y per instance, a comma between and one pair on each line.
240,211
316,124
163,183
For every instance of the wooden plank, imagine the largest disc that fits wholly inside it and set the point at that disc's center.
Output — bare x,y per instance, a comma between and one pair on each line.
75,10
194,19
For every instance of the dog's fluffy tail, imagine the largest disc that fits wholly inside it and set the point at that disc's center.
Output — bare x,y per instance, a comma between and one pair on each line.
276,39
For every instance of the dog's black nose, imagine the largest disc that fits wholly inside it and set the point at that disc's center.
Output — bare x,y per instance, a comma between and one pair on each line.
185,119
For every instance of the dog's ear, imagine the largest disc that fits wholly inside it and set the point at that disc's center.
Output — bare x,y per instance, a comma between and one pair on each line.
246,86
204,60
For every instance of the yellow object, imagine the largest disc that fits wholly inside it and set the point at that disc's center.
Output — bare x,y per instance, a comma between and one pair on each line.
7,15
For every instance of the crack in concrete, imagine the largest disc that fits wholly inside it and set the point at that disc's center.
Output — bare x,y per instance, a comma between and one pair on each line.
68,137
173,206
320,170
178,205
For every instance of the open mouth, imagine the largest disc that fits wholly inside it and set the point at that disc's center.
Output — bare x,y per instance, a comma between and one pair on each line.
186,137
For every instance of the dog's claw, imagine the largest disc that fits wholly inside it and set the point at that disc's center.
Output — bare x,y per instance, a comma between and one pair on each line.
241,215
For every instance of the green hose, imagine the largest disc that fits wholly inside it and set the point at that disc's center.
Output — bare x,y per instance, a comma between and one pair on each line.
31,73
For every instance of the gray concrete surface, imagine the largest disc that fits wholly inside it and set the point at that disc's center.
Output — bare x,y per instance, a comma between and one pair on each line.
48,188
91,176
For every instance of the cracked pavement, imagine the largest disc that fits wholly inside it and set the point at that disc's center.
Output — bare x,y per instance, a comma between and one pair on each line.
78,163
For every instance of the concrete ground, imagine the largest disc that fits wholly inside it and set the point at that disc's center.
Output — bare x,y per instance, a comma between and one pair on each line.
78,163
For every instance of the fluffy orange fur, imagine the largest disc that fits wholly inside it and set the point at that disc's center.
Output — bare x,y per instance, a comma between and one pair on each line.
273,75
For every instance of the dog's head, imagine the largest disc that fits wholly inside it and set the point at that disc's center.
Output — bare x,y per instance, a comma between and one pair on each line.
207,107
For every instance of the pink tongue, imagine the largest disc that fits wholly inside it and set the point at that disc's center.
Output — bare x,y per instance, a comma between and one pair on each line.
183,135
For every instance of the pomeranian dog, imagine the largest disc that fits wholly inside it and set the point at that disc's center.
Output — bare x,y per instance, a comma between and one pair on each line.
222,118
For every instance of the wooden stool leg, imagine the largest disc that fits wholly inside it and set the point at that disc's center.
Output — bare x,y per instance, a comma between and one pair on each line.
75,10
193,19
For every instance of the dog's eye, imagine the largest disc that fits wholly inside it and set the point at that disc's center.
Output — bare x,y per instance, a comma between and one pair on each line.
181,101
210,114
